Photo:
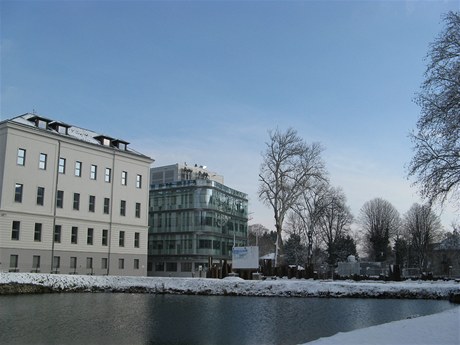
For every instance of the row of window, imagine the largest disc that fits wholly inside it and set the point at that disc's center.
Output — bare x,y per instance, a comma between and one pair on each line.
36,262
19,190
43,159
16,230
173,266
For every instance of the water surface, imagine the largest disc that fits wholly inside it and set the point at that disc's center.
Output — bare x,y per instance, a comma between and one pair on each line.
111,318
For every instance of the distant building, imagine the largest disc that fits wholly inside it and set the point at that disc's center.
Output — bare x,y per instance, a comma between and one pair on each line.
445,256
195,220
71,200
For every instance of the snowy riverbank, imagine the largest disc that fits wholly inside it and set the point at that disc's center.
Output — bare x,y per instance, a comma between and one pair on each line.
442,328
36,282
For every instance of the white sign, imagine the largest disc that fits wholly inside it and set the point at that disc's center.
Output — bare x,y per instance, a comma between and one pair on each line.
245,257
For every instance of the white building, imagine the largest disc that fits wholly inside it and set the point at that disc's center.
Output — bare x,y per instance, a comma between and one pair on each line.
71,200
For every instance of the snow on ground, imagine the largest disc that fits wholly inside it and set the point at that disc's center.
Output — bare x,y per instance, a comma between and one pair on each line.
437,329
237,286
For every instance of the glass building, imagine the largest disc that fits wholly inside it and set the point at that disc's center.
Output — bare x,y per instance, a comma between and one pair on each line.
194,221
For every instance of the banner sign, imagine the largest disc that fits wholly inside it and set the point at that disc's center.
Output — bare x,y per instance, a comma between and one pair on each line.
245,257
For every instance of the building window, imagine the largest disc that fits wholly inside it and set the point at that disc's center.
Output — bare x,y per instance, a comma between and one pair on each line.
18,188
136,264
14,261
61,167
123,208
105,237
76,201
106,205
41,124
38,232
89,237
74,235
40,196
121,239
205,244
60,199
139,181
171,267
57,233
138,209
56,263
21,160
78,168
73,262
15,230
159,266
93,172
92,203
36,263
136,239
124,178
121,264
104,263
42,161
108,175
89,263
186,267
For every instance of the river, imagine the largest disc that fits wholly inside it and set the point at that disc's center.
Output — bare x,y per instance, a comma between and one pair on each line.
117,318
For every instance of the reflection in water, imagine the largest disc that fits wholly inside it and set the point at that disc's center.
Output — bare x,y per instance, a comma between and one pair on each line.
168,319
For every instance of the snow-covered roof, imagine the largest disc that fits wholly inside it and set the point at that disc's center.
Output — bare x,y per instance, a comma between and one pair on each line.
72,131
269,256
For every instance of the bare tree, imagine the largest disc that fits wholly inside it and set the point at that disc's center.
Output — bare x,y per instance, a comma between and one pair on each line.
307,212
436,163
379,221
289,167
334,221
422,228
259,235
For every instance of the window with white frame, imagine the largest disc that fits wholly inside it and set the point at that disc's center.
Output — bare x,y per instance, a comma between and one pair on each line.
93,172
42,161
18,188
21,159
108,175
61,167
124,178
78,166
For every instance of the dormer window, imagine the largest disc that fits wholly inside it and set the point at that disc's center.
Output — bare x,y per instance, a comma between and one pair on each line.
61,128
40,122
104,140
121,144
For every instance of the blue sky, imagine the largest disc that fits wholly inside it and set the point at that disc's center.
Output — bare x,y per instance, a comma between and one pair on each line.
203,81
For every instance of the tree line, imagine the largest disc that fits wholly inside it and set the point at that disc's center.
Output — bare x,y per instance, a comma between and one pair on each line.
312,219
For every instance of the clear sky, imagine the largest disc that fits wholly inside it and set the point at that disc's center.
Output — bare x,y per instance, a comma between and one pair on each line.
203,82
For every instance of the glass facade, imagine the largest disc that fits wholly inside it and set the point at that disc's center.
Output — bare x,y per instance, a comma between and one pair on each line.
193,223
